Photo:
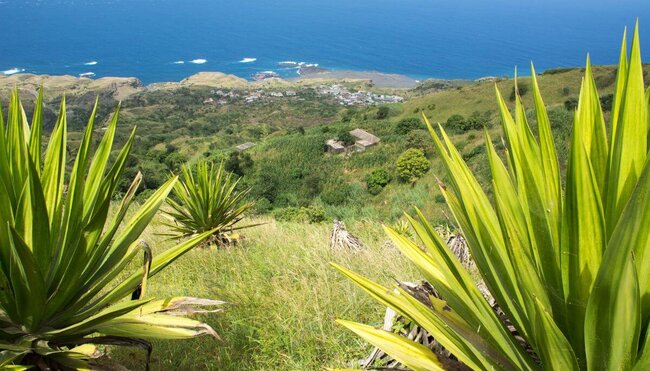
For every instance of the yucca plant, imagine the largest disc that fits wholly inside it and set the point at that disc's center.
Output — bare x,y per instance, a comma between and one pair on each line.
570,269
206,199
64,258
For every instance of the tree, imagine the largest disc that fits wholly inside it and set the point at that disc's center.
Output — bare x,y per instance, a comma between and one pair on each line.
455,122
377,180
420,139
412,165
476,121
571,104
346,138
521,88
460,124
238,163
606,102
383,112
174,161
408,124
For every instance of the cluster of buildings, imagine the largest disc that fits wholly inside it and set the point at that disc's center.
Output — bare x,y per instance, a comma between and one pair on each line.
347,98
363,140
340,93
223,97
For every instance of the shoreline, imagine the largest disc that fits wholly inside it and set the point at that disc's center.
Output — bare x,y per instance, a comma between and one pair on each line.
122,87
304,71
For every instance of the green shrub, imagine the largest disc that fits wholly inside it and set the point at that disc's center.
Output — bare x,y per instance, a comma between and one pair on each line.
420,139
408,124
71,274
455,122
345,137
238,163
459,124
571,104
174,161
554,71
311,214
377,180
383,112
606,102
474,152
521,88
262,206
336,194
412,165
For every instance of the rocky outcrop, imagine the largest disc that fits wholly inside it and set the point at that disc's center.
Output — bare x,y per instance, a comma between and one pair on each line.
117,87
215,80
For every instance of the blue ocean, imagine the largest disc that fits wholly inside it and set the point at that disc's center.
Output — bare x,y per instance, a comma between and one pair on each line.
168,40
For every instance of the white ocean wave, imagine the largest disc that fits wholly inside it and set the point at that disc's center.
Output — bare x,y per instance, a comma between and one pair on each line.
13,71
198,61
87,74
179,62
91,63
248,60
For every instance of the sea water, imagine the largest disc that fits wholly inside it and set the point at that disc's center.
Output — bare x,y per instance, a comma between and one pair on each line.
168,40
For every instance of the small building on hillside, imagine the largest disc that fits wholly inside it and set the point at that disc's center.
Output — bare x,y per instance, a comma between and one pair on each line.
244,146
364,139
334,146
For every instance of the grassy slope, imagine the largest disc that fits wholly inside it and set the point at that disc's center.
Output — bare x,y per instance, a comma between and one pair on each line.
481,96
284,297
288,151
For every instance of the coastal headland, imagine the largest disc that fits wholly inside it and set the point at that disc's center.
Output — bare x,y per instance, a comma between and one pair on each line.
122,87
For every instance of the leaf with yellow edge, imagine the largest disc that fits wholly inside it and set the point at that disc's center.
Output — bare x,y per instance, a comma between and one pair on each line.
411,354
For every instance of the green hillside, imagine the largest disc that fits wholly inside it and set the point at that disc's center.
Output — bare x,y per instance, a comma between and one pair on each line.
283,294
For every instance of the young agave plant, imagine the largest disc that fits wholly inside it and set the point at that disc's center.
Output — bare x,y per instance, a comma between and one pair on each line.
63,259
206,201
570,269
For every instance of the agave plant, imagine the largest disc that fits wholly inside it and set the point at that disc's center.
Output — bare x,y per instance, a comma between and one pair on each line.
206,201
569,269
64,282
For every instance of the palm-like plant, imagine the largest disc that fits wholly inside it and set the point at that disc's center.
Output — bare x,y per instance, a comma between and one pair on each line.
206,201
63,257
570,269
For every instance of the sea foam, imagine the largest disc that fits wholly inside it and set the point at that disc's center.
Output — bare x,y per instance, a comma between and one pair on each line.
198,61
13,71
248,60
179,62
87,74
91,63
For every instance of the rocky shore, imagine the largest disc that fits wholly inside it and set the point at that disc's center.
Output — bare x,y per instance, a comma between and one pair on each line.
377,79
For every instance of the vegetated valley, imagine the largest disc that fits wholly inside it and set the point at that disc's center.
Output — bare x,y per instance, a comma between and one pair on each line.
283,295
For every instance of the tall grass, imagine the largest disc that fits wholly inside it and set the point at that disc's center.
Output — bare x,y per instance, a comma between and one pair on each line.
284,298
